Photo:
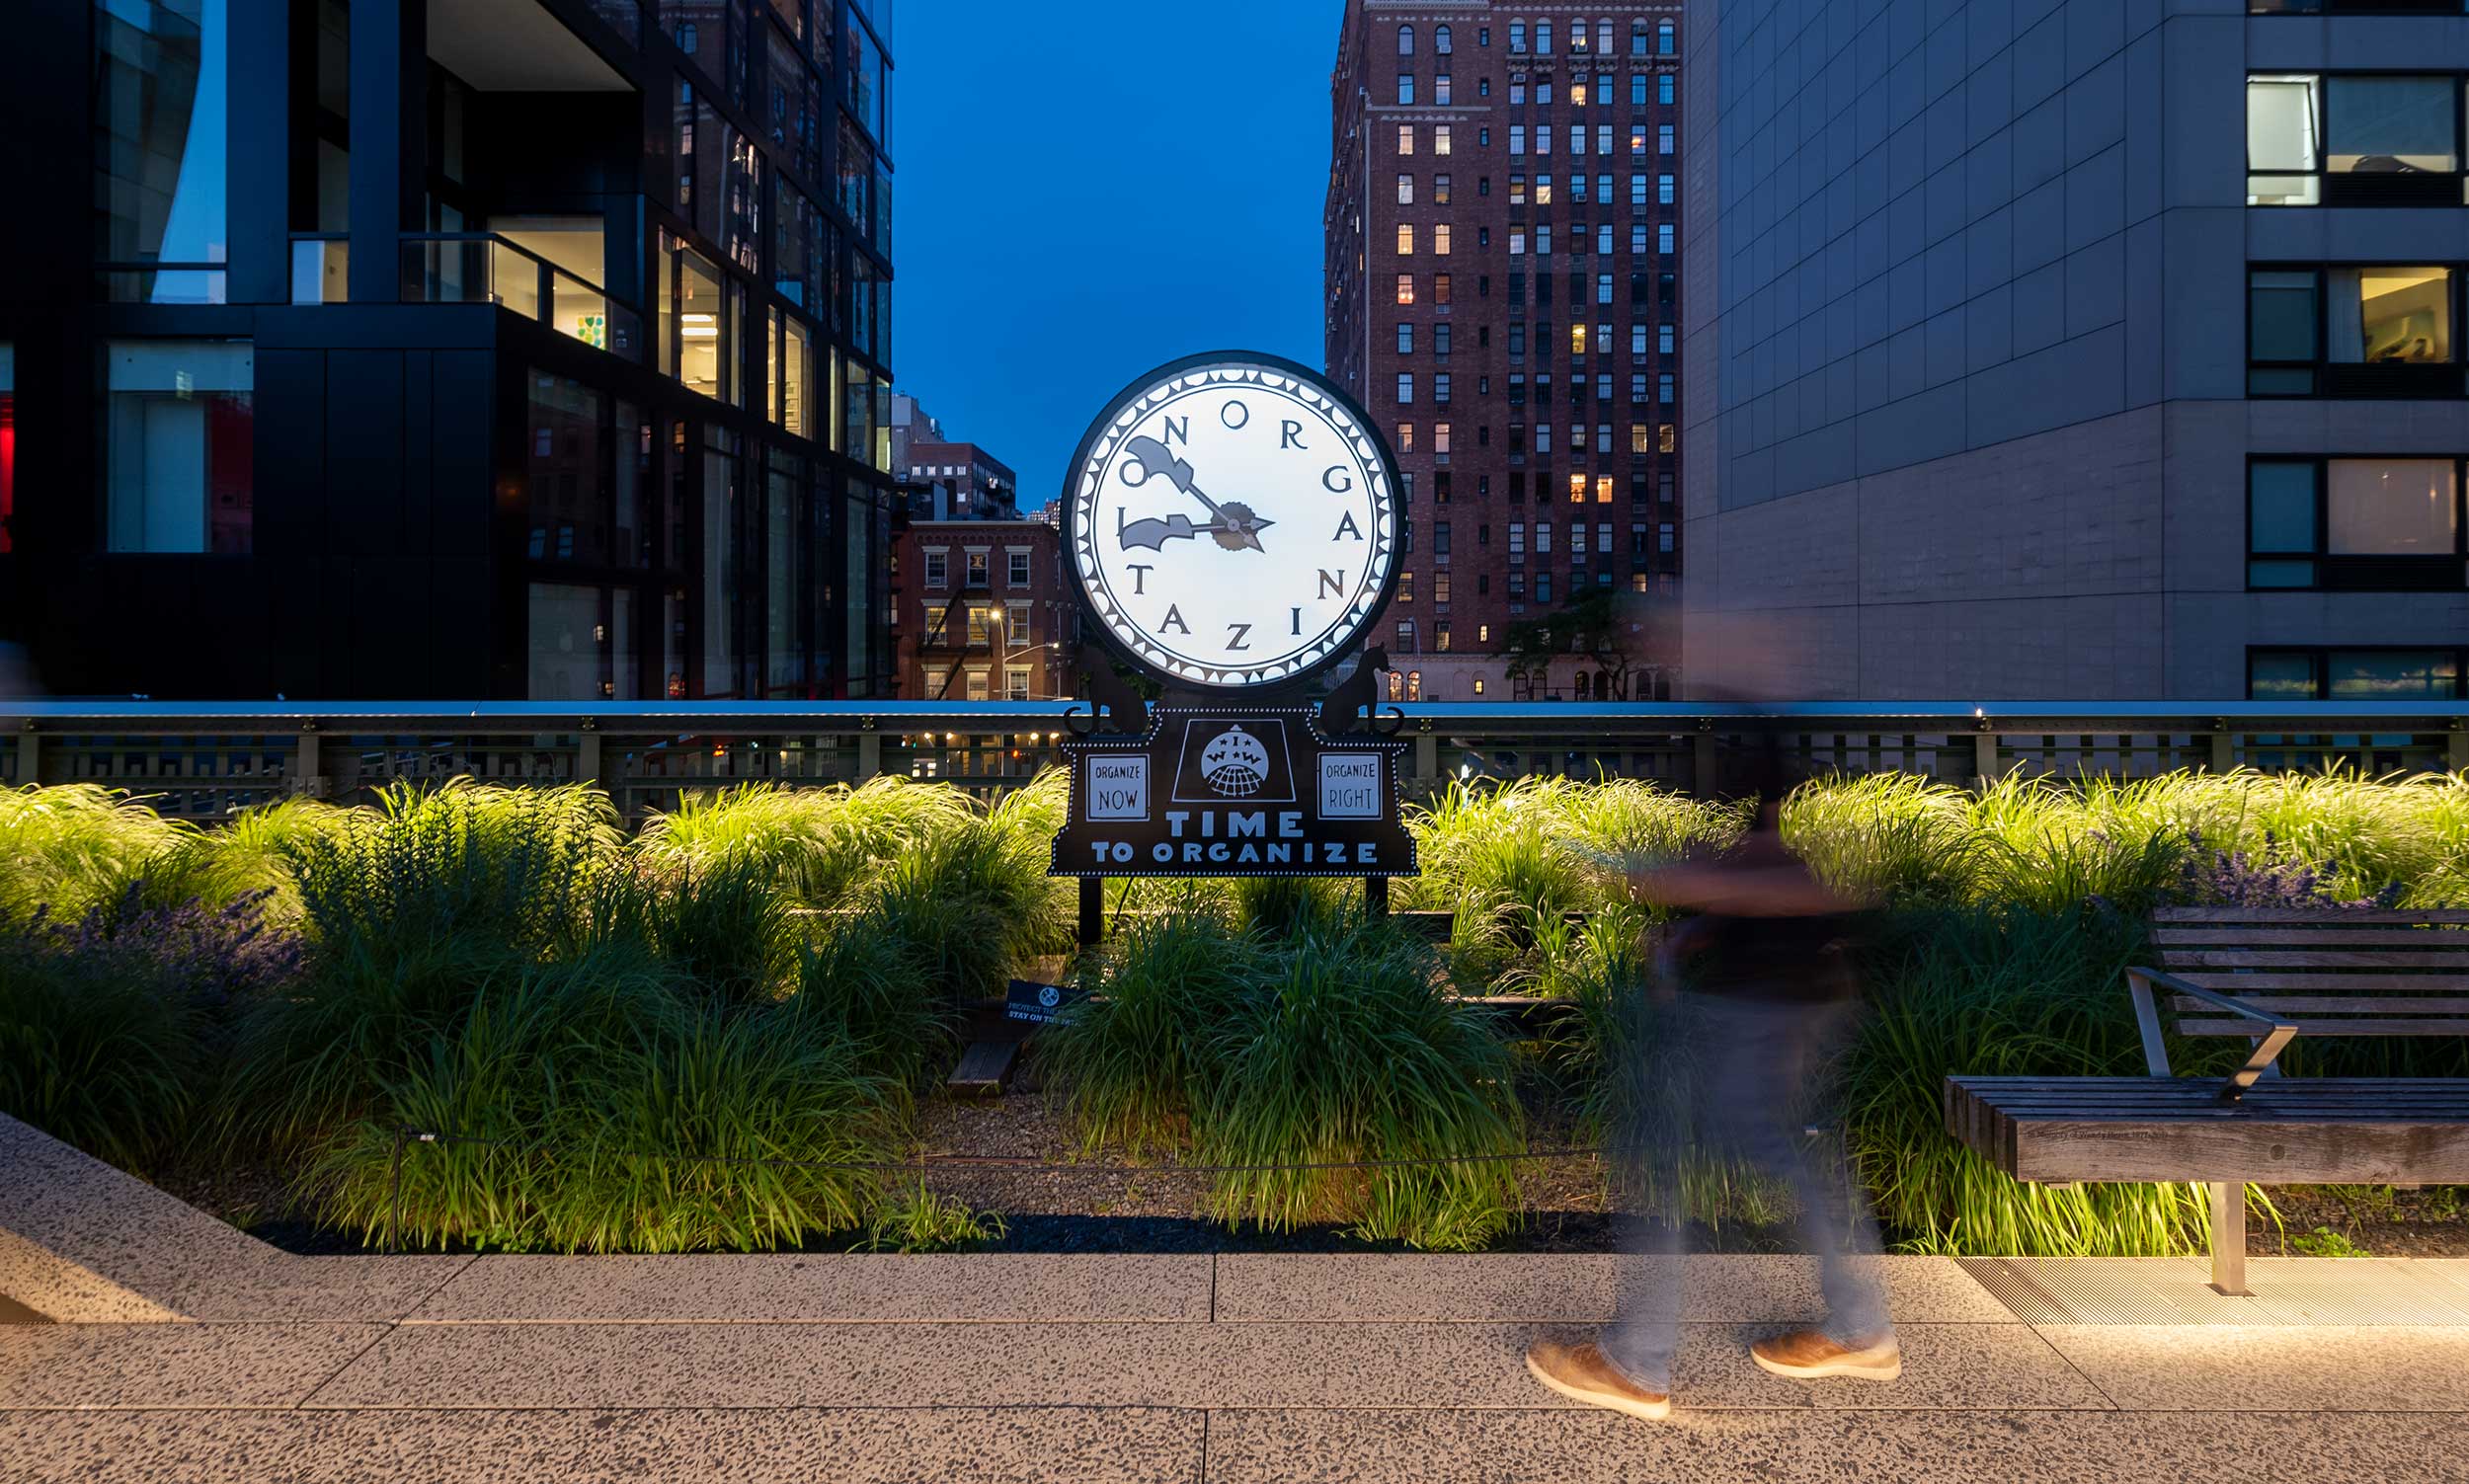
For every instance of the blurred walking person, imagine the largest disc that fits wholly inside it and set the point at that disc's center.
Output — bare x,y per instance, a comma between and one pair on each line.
1754,994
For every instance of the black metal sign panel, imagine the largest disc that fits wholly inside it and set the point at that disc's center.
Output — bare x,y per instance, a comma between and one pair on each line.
1040,1004
1234,791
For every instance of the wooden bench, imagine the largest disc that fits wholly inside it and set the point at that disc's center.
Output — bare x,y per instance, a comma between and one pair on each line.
2266,975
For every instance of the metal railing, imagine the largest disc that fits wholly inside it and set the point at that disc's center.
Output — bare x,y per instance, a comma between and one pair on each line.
483,268
202,759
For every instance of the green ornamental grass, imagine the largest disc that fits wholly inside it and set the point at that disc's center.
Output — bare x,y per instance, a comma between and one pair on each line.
706,1034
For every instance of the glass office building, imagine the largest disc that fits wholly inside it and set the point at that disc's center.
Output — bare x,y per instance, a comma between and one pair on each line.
499,348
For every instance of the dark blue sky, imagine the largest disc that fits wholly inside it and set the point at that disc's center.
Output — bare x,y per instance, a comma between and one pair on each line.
1088,189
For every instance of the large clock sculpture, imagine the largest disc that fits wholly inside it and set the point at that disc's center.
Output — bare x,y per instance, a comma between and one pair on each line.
1234,525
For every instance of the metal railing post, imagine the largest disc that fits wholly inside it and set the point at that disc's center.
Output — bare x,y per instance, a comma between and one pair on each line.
1985,758
28,756
2456,748
1701,778
307,762
588,755
869,755
2224,753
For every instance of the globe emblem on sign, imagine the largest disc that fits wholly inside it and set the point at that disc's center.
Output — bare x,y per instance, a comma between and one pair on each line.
1235,763
1049,996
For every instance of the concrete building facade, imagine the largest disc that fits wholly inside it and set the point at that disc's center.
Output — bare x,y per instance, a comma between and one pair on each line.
2074,349
1502,273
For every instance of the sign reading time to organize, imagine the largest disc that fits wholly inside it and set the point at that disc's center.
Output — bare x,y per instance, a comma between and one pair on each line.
1233,523
1237,790
1234,527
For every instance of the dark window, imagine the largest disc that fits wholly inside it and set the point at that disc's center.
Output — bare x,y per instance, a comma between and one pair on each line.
2359,675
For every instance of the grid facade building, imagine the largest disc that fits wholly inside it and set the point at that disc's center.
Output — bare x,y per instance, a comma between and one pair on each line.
1502,270
2077,348
495,349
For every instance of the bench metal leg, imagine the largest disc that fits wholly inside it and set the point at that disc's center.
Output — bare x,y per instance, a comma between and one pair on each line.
2229,1238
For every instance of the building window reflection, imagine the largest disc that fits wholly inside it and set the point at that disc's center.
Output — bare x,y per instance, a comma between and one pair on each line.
160,124
178,445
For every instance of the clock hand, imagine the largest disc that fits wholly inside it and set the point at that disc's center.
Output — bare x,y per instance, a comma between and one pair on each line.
1157,462
1151,534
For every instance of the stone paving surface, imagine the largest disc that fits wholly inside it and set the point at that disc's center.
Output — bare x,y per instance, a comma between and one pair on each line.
1240,1367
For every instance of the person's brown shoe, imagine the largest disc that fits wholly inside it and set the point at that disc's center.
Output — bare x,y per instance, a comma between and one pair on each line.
1580,1372
1806,1355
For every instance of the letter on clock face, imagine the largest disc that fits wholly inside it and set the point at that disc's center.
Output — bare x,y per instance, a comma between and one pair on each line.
1346,527
1339,480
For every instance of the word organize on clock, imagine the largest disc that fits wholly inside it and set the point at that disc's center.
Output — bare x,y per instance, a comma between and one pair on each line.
1233,521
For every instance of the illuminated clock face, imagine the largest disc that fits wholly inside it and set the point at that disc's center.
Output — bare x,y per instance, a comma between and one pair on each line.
1234,522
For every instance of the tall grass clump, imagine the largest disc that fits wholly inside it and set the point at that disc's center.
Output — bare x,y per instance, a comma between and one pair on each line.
1887,837
1350,1051
411,913
110,1026
1136,1058
73,847
824,846
250,854
1986,992
599,1120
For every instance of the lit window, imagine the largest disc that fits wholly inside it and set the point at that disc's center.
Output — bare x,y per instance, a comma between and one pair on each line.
1405,239
1405,138
1603,495
1577,340
178,445
1440,190
1405,288
1440,139
1439,240
1577,489
1665,438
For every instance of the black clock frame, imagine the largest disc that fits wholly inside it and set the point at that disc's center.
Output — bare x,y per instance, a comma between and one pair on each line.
1174,684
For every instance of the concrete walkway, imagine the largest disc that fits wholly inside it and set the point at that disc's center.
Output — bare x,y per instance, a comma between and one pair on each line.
1237,1368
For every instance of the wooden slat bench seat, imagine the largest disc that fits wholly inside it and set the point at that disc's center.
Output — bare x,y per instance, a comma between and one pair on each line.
2266,975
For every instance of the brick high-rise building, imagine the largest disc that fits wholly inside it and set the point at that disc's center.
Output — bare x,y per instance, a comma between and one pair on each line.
1503,290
